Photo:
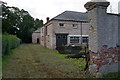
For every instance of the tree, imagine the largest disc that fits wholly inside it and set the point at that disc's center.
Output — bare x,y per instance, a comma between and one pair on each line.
19,22
38,23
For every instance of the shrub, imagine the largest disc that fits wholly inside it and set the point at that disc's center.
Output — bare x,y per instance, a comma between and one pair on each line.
69,49
9,42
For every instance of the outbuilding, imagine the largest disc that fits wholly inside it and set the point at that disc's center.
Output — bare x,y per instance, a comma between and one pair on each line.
36,37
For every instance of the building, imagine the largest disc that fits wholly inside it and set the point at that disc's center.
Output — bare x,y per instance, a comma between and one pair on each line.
64,29
36,36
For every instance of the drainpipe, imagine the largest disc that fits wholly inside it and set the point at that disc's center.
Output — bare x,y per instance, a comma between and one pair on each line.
81,33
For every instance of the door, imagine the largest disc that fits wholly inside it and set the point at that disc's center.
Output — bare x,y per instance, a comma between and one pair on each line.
61,40
38,41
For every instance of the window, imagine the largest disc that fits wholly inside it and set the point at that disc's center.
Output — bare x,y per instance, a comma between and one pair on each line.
75,26
85,39
61,24
64,37
58,37
74,39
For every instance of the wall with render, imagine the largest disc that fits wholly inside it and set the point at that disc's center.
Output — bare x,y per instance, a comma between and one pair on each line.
104,39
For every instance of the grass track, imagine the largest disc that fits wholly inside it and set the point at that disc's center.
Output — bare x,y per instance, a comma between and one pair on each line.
35,61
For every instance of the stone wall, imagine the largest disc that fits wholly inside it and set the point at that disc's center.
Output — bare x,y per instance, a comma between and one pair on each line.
49,35
68,28
42,36
104,39
119,30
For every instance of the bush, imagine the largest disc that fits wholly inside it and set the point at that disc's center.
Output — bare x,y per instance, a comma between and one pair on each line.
69,49
9,42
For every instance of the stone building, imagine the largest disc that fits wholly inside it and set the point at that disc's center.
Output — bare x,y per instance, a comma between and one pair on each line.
68,27
74,27
104,38
36,36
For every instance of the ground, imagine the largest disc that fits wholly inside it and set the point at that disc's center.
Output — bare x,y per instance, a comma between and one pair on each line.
35,61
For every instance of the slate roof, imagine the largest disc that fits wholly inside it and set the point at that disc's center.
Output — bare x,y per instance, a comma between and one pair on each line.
37,31
72,15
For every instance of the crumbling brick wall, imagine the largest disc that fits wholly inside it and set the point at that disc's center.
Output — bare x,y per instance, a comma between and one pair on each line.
105,61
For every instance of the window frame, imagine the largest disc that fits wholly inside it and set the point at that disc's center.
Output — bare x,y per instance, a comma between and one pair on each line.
74,26
74,39
61,25
84,39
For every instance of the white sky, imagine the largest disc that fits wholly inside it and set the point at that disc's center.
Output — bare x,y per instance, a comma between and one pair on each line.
51,8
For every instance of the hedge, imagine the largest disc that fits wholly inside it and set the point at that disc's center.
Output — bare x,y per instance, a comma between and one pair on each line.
9,42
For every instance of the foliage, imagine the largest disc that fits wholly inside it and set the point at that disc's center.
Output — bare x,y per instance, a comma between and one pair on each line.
9,42
19,22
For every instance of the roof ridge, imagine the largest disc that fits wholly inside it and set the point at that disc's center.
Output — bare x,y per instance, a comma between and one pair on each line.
58,15
74,11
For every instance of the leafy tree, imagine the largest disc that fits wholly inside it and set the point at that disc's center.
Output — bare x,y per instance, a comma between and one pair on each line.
19,22
38,23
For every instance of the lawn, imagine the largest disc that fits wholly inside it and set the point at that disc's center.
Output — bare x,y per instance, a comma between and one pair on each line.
35,61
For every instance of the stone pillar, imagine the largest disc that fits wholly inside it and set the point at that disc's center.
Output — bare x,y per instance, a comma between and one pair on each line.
119,31
102,38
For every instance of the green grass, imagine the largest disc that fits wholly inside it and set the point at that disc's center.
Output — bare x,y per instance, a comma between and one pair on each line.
0,68
6,57
112,75
77,62
35,61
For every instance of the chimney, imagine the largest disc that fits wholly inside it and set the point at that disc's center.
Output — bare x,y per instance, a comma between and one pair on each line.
47,19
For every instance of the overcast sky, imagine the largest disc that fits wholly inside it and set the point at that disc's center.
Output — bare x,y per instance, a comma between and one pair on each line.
51,8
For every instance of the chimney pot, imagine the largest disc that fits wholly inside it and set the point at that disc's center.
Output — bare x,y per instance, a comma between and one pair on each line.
47,19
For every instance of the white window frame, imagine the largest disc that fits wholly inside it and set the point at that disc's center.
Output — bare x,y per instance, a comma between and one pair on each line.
79,38
74,39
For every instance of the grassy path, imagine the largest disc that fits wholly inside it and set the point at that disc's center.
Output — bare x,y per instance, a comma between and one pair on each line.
35,61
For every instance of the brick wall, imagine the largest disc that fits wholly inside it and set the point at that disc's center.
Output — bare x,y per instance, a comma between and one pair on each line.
105,61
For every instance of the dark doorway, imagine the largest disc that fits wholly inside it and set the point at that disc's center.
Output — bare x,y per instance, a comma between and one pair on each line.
38,41
61,40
